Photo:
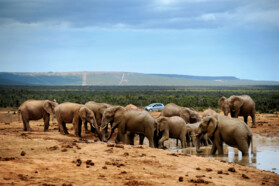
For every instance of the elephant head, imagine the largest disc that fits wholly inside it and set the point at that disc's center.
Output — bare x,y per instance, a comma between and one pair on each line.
208,126
189,115
236,103
109,117
232,105
49,106
162,125
224,104
87,115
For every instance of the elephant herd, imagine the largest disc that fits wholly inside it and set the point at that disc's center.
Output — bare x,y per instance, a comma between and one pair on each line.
176,122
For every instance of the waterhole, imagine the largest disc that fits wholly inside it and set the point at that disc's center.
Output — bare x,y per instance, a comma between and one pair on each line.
265,153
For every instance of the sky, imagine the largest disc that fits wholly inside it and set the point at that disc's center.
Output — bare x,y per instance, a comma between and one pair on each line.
192,37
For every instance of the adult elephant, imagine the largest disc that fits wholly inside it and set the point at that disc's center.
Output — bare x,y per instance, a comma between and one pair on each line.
134,121
74,113
98,109
189,115
35,110
171,127
239,106
232,131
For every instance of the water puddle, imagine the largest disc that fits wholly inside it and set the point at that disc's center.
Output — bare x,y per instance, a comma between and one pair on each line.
265,156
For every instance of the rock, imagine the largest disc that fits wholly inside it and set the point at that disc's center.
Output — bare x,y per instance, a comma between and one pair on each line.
180,179
119,146
64,150
208,169
198,168
110,145
231,169
22,153
245,176
219,172
104,167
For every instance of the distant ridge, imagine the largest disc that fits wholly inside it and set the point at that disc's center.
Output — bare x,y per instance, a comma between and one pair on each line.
121,79
199,77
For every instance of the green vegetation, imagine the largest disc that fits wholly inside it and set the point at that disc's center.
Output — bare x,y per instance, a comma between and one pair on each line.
266,97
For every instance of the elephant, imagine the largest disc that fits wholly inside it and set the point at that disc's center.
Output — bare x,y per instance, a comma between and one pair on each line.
208,112
171,127
131,106
98,109
35,110
192,130
74,113
239,106
189,115
234,132
134,121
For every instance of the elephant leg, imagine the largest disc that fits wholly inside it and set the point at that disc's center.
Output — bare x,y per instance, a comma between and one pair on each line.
77,127
64,128
24,121
194,140
177,142
141,136
188,140
220,148
243,146
245,119
46,122
253,121
131,137
86,127
150,136
213,149
161,141
183,141
205,140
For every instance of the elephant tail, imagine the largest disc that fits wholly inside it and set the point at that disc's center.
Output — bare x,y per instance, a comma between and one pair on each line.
18,114
251,140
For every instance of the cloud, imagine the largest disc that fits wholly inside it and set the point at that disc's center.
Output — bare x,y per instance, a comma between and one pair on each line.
141,14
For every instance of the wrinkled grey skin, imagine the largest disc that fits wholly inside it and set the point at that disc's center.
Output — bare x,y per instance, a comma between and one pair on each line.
74,113
134,121
98,109
232,131
189,115
35,110
171,127
192,130
239,106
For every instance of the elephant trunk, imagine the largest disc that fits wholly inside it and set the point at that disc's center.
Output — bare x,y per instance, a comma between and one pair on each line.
198,143
97,130
111,132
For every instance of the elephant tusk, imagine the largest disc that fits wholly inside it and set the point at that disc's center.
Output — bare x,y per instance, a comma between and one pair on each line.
104,127
92,125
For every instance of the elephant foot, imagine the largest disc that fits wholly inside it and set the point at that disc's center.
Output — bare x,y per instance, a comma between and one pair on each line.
46,130
199,151
87,132
254,126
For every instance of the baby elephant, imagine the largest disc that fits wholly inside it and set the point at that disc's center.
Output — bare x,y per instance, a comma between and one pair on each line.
76,114
171,127
192,130
232,131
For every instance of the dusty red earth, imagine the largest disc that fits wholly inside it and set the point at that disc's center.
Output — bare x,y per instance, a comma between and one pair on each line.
49,158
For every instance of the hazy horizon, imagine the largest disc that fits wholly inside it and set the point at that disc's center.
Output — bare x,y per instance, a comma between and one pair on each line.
237,38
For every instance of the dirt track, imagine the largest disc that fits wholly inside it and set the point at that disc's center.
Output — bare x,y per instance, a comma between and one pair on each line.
38,158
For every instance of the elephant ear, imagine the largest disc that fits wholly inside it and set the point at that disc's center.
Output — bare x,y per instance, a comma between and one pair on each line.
49,107
185,114
211,125
221,101
162,124
83,113
235,103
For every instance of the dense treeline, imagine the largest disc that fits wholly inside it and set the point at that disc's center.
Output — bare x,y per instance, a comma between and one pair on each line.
266,98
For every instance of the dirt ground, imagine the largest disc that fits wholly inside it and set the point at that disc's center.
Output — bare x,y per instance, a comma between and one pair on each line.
49,158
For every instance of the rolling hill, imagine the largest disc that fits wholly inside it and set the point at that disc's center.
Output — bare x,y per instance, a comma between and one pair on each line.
122,79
